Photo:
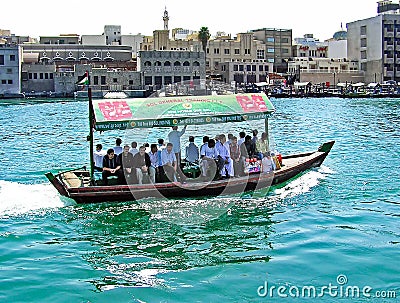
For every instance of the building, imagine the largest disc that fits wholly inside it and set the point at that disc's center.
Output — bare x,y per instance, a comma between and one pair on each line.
309,47
278,46
337,45
246,72
62,39
375,43
325,70
165,67
10,70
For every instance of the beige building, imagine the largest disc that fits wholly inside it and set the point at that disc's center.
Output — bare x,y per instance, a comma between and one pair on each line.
278,46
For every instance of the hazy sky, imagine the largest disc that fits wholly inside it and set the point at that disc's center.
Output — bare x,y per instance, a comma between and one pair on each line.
51,17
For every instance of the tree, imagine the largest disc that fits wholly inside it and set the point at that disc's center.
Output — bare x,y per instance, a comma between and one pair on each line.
204,36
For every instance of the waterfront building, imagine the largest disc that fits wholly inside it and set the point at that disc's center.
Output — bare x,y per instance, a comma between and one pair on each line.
375,43
325,70
10,70
6,37
166,67
310,47
246,72
278,46
337,45
61,39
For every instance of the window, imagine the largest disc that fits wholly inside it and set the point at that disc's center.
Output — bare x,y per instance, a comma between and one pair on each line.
34,75
3,82
115,80
41,75
241,67
12,57
261,68
266,68
208,50
271,50
271,39
253,68
285,40
9,70
363,54
248,68
363,30
247,51
1,59
103,80
51,75
30,76
237,51
260,54
130,82
96,80
285,51
10,81
227,51
363,42
216,51
235,68
271,60
364,67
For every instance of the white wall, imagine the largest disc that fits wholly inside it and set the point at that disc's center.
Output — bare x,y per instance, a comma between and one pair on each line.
337,49
93,40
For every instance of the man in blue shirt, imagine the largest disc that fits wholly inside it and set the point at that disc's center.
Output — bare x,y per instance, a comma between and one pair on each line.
168,162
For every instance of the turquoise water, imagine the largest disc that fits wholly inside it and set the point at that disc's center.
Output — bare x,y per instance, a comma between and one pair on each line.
336,223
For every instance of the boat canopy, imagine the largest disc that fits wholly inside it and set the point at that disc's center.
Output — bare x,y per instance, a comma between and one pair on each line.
180,110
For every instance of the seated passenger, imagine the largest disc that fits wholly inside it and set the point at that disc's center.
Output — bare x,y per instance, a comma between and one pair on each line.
98,156
192,151
133,150
236,158
262,146
224,153
126,161
267,163
118,148
111,167
169,164
209,159
141,163
153,169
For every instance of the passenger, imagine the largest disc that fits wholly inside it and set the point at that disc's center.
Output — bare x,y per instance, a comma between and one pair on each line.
230,137
192,151
153,169
118,148
236,158
255,138
98,156
127,165
111,167
161,146
267,164
209,159
133,150
242,135
250,147
147,146
174,137
168,160
227,167
262,146
204,145
141,162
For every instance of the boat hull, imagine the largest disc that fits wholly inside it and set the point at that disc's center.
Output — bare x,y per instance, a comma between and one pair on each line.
293,165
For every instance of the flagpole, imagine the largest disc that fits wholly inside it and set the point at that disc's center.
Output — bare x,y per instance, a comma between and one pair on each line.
90,137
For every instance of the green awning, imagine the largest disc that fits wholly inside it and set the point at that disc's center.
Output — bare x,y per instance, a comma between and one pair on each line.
170,111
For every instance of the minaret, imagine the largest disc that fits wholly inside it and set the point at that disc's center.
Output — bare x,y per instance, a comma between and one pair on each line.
165,18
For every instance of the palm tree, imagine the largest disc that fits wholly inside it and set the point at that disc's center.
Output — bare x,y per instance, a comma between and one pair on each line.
204,36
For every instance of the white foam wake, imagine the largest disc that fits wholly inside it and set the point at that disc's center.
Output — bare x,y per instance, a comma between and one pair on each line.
16,198
304,183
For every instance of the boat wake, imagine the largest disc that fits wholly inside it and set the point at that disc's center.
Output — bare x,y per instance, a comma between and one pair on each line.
17,199
303,184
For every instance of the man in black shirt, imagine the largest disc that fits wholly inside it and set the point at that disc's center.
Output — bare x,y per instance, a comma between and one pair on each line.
141,162
125,159
111,167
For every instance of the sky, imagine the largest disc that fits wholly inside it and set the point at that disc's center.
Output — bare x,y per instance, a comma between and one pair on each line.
87,17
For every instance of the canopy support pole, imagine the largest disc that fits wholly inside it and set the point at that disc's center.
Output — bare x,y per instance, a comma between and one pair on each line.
267,132
90,137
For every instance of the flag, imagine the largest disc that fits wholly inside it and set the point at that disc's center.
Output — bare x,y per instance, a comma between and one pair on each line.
84,79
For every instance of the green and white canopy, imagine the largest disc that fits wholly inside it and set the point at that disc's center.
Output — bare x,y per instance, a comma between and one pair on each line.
170,111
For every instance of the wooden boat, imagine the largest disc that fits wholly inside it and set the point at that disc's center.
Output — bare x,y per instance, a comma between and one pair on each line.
80,186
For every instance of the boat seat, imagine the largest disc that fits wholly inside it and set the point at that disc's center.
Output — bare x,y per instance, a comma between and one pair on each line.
72,180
